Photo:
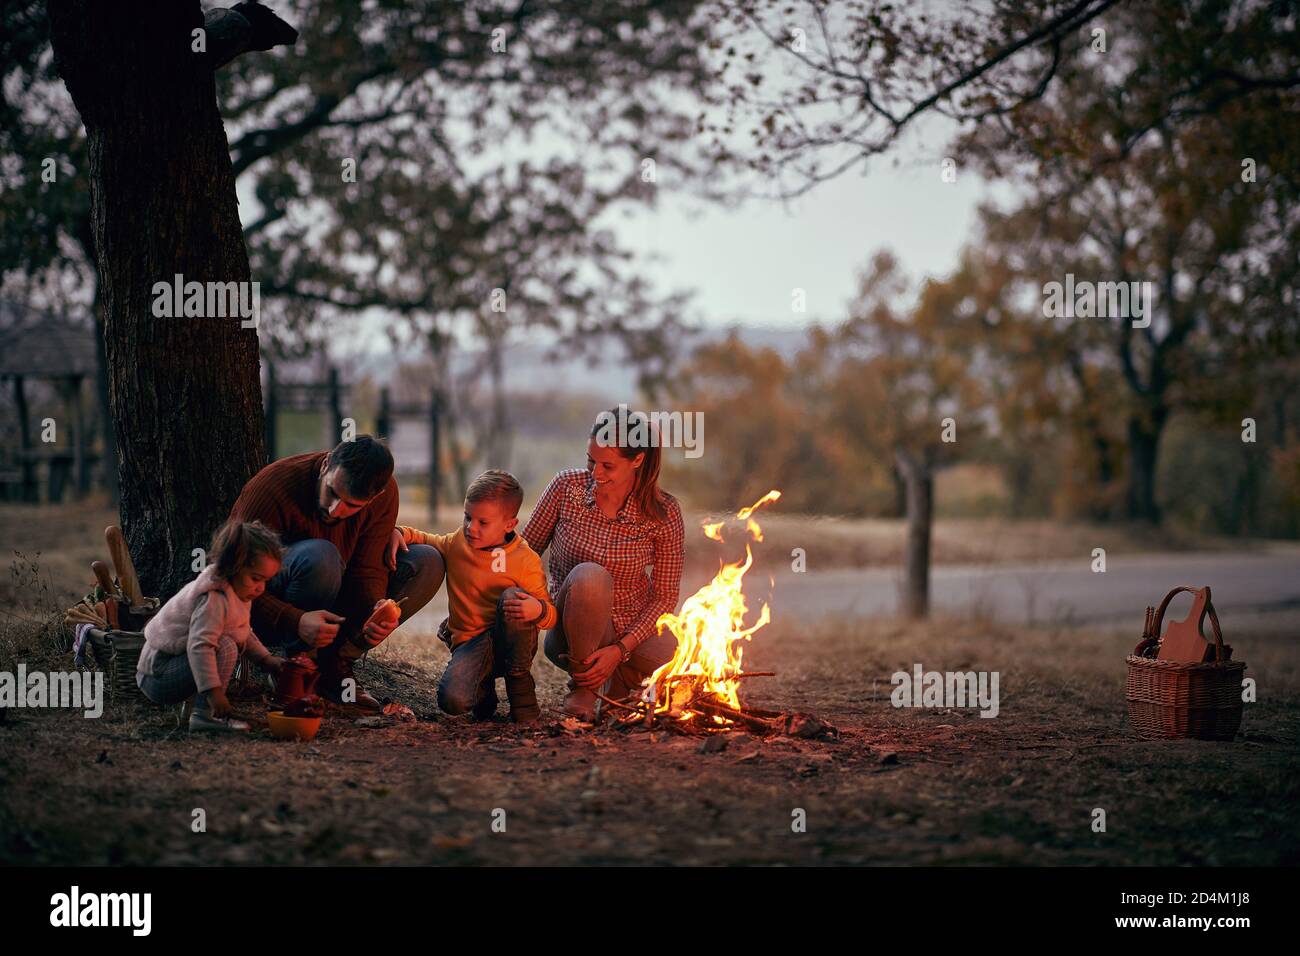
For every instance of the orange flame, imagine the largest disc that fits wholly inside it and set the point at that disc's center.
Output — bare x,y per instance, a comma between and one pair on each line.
710,632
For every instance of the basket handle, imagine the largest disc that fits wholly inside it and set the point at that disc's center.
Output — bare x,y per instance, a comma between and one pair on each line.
1200,625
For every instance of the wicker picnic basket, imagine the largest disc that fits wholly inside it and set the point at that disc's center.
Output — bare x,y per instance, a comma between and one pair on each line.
1185,699
117,653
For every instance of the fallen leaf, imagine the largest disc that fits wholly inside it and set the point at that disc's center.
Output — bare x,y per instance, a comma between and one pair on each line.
451,843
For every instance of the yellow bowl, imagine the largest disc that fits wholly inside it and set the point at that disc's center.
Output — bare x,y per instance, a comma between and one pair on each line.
292,728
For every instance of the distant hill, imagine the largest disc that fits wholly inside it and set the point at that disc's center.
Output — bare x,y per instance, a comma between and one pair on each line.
532,370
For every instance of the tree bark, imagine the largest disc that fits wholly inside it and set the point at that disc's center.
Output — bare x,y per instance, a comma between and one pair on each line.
102,403
184,392
918,481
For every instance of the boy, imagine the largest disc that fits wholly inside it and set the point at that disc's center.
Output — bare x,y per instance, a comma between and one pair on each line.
497,599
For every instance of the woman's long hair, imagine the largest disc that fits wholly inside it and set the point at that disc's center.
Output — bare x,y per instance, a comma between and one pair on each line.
645,490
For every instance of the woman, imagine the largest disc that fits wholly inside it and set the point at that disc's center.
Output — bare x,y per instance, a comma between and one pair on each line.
606,527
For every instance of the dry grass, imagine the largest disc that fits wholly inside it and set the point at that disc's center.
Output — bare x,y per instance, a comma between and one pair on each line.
62,540
831,542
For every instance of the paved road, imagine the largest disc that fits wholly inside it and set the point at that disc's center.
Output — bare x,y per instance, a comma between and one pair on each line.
1044,592
1065,592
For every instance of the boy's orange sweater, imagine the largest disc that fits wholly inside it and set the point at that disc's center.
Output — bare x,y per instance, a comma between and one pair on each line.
474,586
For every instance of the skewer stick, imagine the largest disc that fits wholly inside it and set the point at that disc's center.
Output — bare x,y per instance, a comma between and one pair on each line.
615,703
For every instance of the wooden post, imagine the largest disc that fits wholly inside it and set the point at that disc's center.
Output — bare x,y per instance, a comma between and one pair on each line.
79,456
435,412
272,411
336,407
29,492
919,479
385,422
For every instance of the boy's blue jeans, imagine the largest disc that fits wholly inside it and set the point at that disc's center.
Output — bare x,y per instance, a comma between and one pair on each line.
311,576
506,649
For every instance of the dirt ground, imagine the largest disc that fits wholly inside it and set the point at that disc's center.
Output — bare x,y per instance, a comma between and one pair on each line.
898,786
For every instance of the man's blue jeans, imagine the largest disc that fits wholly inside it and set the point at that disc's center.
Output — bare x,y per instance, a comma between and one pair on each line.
312,574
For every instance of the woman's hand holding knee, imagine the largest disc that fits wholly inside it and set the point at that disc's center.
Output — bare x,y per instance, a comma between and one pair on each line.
598,667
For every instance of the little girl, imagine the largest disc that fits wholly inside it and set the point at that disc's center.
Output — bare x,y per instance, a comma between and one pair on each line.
192,644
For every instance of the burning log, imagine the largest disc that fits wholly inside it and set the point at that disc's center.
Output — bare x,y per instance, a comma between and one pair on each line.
697,693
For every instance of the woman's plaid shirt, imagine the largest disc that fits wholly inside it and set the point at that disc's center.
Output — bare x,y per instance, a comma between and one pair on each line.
643,556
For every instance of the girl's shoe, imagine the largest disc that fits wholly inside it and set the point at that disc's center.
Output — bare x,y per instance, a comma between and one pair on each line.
206,722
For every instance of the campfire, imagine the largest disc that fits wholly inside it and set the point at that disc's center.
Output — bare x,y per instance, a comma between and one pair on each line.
698,692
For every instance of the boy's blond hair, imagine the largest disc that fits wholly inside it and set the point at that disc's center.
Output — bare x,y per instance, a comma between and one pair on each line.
497,485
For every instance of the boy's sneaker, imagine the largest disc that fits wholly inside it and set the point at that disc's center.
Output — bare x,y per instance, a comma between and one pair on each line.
521,691
525,715
486,708
201,720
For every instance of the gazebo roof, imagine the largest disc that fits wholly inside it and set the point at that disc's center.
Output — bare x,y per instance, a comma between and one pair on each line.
41,344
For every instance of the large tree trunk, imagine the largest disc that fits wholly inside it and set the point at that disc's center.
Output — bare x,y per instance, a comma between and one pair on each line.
105,416
185,395
918,480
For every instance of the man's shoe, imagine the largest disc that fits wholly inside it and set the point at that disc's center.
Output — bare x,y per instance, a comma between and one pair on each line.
581,703
203,721
337,683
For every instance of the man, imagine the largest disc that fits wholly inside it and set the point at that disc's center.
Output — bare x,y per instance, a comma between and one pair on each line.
336,512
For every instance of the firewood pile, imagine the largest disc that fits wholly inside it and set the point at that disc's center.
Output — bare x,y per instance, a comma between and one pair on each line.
685,704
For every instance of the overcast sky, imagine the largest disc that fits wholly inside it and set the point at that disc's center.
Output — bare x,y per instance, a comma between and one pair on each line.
744,263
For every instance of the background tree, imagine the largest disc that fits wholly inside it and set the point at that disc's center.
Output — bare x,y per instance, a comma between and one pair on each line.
1207,211
928,370
817,88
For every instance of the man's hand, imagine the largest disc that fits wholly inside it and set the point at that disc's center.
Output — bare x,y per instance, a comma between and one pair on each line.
522,610
598,667
319,628
273,664
395,542
218,703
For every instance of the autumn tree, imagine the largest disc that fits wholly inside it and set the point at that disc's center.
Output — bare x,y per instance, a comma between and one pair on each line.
1204,214
915,344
